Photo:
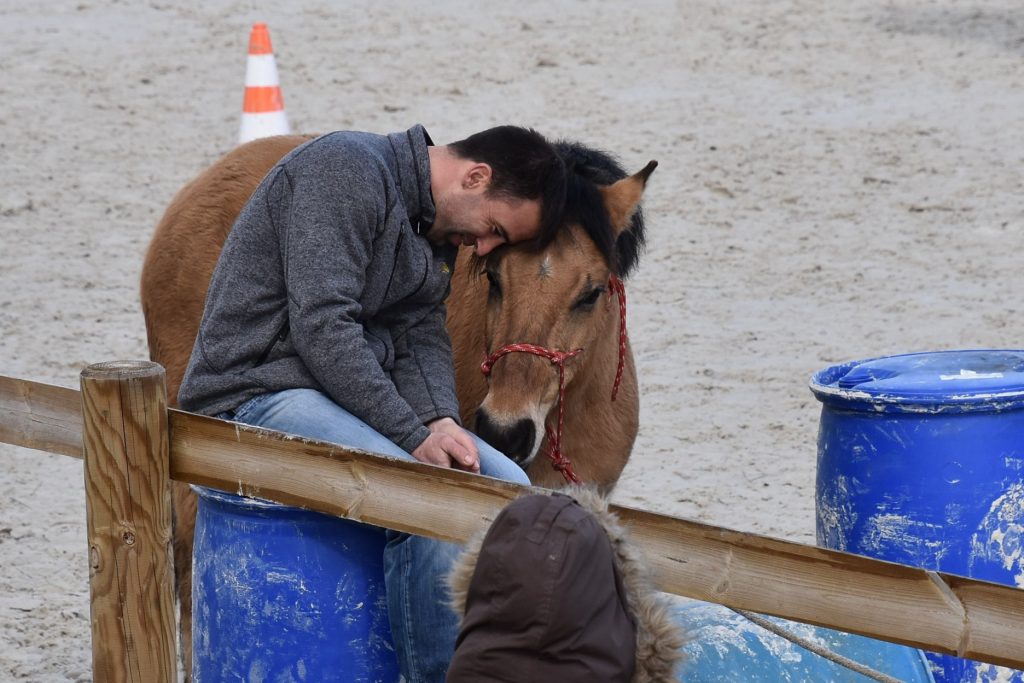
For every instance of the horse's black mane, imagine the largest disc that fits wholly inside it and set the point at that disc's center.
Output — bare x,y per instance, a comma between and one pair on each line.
588,168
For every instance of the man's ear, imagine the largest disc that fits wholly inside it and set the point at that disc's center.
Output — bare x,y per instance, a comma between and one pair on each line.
477,176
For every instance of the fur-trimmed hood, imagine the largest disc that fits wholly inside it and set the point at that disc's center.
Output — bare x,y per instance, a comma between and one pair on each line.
554,590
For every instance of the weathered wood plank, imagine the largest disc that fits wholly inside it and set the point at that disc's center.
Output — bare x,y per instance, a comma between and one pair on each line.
882,600
891,602
40,416
128,511
894,602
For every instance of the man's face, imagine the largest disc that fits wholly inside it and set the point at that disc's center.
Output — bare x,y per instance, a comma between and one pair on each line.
472,218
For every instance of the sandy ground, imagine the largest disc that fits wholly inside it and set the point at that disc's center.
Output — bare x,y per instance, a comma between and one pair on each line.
837,181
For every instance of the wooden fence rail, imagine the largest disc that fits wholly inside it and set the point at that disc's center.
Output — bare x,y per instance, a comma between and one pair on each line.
897,603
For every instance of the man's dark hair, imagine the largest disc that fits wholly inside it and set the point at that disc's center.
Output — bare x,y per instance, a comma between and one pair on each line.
524,165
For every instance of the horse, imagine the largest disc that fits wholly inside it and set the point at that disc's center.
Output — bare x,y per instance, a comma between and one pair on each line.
549,324
565,299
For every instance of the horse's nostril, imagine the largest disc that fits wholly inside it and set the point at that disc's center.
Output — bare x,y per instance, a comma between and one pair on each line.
515,440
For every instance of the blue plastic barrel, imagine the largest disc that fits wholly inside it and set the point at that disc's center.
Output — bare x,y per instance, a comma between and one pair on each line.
284,594
724,647
921,461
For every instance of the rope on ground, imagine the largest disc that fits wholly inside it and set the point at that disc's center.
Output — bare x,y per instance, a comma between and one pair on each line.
817,649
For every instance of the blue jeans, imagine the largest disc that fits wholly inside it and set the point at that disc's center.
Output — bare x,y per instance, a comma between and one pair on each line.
423,625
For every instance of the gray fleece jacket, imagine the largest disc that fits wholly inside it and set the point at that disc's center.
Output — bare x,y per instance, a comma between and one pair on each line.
326,282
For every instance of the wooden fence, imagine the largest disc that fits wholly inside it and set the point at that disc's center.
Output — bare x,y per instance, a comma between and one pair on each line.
133,445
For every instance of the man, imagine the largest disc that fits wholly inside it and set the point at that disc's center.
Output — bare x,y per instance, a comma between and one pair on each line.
325,316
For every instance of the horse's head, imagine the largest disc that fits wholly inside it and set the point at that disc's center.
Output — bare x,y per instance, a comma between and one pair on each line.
544,304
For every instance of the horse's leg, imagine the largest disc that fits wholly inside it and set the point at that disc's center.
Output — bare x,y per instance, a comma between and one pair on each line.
184,531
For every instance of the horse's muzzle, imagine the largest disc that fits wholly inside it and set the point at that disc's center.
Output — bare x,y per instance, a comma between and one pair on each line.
515,440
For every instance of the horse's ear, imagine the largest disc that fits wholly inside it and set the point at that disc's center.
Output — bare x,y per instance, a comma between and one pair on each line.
621,198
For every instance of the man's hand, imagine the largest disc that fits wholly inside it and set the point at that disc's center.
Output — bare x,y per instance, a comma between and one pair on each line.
448,445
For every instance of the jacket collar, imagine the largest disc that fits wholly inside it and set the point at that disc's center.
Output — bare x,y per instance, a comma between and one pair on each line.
414,175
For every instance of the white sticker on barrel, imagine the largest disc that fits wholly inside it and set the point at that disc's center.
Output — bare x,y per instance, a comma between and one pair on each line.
971,374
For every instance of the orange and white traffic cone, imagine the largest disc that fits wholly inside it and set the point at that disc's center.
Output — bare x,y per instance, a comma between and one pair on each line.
263,109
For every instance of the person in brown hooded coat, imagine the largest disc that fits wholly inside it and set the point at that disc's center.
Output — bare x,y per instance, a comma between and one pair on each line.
554,592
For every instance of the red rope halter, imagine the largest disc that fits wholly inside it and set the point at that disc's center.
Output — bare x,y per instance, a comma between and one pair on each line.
558,460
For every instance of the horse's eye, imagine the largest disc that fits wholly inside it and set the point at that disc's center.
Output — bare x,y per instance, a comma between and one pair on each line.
493,280
587,301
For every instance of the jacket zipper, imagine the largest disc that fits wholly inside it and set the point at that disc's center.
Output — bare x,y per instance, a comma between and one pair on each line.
281,335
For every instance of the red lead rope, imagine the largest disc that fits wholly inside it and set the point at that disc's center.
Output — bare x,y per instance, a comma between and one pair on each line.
558,460
615,286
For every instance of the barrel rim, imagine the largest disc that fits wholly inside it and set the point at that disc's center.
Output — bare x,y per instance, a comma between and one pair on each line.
865,401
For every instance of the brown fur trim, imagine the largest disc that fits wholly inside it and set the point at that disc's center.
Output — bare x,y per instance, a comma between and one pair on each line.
659,639
462,572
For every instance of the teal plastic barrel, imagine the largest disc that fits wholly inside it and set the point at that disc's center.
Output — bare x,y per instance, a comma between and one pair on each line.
921,461
284,594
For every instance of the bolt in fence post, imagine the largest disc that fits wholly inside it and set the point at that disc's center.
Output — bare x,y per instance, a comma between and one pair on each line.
128,510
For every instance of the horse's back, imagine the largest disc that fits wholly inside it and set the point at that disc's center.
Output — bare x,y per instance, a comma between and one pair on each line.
186,244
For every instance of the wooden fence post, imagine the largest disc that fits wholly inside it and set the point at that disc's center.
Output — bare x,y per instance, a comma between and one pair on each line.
128,509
